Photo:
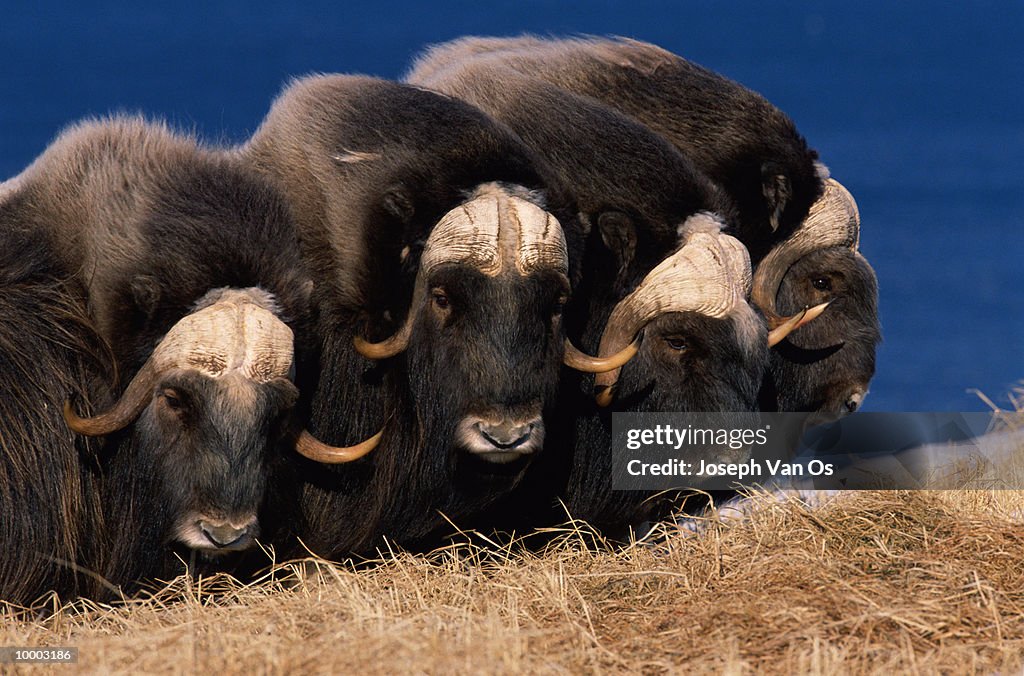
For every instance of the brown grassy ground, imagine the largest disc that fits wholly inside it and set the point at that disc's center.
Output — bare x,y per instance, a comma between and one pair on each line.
868,582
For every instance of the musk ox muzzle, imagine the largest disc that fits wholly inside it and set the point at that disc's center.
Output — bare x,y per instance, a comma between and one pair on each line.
501,440
217,535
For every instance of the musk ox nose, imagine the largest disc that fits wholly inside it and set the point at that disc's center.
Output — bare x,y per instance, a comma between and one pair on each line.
506,435
854,399
503,440
225,535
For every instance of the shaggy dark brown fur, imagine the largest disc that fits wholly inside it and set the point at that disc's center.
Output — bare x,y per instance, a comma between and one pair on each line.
49,494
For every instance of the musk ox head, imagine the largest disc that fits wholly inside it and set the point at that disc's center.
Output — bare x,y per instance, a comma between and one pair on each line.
483,339
692,340
828,364
205,409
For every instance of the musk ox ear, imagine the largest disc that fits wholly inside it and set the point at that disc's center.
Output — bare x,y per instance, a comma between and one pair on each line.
576,240
284,392
398,204
776,188
619,235
145,294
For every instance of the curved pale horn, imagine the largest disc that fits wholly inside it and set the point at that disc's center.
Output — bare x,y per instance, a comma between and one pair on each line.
604,381
739,263
777,334
833,221
500,228
581,361
699,277
394,345
397,343
316,450
135,398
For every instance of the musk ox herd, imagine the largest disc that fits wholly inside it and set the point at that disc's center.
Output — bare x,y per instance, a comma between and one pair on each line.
403,304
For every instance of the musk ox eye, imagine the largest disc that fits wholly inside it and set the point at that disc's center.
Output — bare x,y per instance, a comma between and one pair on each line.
440,298
559,305
171,399
821,283
676,343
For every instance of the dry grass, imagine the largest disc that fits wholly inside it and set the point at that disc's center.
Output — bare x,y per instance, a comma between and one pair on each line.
868,582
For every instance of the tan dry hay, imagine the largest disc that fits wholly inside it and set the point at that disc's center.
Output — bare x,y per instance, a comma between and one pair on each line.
869,582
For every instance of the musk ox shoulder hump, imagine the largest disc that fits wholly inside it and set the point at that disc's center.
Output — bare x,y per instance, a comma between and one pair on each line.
437,58
104,166
121,138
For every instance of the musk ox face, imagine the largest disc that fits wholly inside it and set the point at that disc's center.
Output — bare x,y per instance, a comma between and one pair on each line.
489,349
828,363
691,362
484,330
208,442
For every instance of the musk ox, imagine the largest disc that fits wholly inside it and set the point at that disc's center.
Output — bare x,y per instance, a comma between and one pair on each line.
444,255
707,355
753,150
189,269
657,267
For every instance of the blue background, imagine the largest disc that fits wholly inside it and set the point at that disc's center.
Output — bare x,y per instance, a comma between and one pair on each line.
915,106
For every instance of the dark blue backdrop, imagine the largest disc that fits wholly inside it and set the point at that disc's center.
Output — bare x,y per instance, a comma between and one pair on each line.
915,106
